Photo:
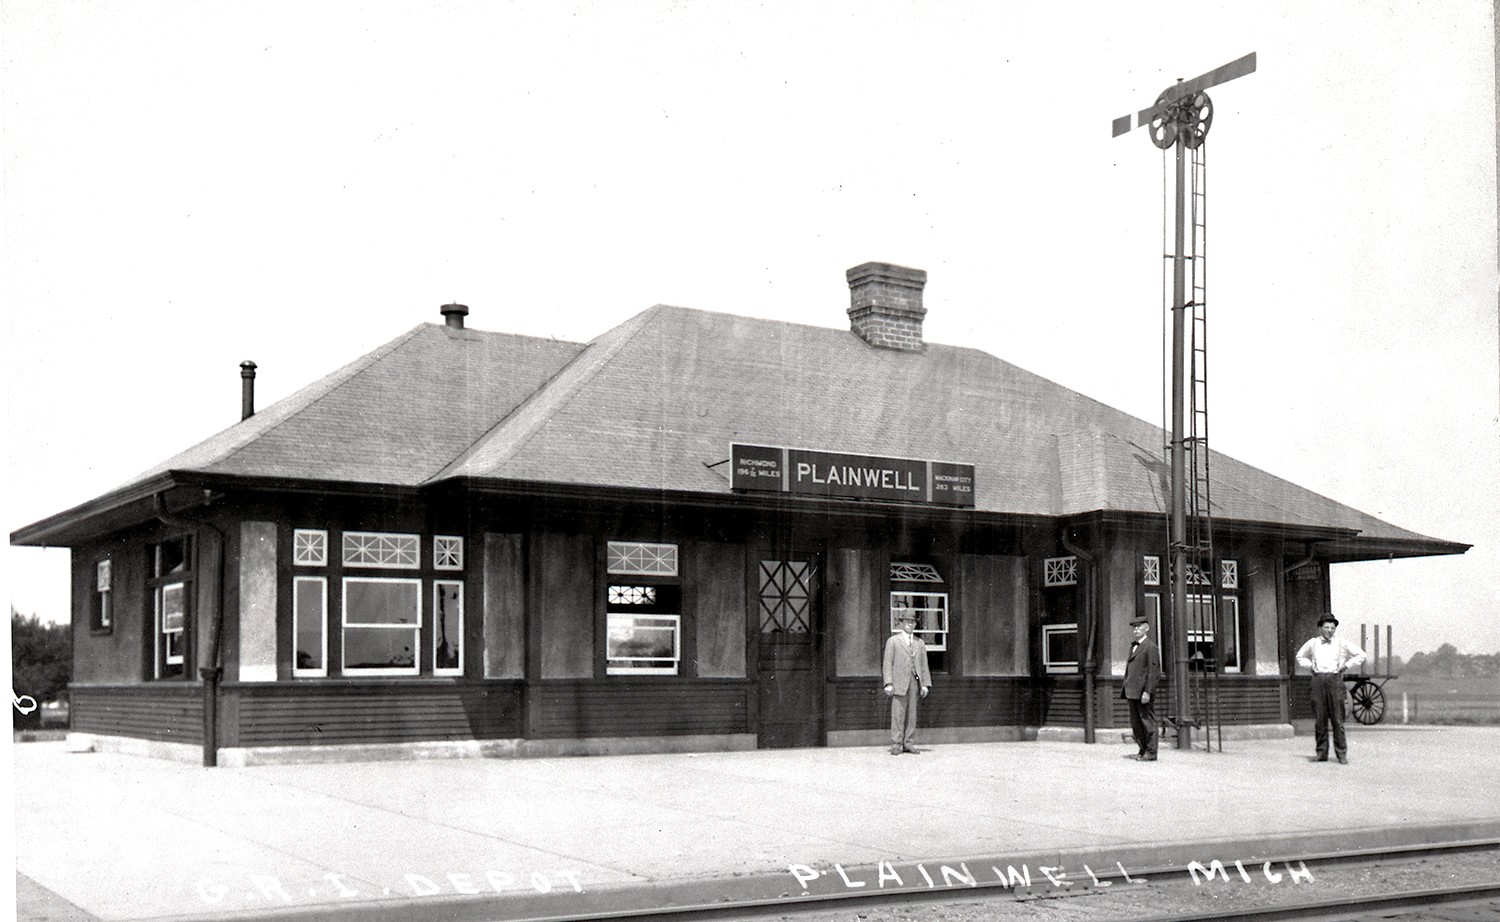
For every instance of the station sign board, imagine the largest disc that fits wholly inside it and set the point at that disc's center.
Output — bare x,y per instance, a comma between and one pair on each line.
766,468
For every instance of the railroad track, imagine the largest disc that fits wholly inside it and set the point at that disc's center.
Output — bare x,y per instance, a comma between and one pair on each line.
909,902
1158,894
1350,908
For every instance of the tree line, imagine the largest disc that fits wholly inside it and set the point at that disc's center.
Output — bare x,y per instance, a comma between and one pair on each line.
1447,663
41,656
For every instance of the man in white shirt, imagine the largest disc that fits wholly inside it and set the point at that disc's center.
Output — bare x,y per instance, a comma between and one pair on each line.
904,671
1328,658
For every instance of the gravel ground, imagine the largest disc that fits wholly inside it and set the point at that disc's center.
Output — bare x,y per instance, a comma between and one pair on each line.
1176,895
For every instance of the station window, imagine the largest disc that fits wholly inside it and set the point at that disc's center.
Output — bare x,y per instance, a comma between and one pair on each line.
786,597
447,552
643,609
1060,571
1214,640
382,625
310,626
381,549
101,618
1153,614
1060,648
1229,574
169,582
919,589
447,627
1205,633
309,547
378,614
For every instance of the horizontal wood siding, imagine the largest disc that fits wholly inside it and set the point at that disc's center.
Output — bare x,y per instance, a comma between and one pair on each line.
170,712
318,714
1242,700
1299,698
1061,703
1250,700
564,710
955,701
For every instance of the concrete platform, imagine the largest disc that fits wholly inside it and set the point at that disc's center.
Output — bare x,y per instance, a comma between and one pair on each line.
116,836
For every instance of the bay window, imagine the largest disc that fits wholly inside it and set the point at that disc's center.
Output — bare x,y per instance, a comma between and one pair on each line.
366,603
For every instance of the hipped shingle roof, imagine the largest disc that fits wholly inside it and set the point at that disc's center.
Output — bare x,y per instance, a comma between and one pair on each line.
654,404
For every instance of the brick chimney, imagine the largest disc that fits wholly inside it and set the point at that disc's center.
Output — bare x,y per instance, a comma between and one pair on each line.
885,305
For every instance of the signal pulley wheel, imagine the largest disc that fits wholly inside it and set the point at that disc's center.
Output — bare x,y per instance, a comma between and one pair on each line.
1369,702
1163,127
1198,115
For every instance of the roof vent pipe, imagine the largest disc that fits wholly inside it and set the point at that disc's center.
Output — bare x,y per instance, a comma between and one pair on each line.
247,389
454,315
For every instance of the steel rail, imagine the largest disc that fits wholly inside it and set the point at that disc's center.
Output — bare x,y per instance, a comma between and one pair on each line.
792,906
486,909
1322,909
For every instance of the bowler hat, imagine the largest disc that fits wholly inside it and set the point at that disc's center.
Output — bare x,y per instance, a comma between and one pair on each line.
1326,619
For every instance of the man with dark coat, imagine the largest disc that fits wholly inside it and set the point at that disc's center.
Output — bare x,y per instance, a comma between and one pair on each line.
1142,673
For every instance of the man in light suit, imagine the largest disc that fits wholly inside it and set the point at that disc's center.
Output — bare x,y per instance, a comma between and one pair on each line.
1142,673
906,678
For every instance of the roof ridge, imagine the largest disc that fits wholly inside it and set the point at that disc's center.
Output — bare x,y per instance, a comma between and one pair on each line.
624,332
366,362
284,409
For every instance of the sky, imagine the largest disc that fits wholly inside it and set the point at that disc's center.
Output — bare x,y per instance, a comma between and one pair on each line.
190,185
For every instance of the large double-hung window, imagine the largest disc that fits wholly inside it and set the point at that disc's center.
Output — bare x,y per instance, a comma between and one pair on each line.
918,589
643,631
397,614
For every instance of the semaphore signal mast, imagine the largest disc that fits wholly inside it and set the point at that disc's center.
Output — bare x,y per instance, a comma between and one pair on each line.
1179,120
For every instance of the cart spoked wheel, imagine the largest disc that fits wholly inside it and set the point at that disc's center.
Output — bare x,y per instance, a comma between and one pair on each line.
1369,702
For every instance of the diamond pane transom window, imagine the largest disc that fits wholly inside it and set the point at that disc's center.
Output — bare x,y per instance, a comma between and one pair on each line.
309,547
1060,571
1151,568
447,552
1229,574
785,596
914,573
635,557
632,595
381,549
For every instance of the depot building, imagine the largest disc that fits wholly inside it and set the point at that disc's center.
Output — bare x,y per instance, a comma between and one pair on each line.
686,534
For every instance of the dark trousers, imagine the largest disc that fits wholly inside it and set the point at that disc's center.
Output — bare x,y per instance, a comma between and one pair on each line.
1328,708
904,715
1143,725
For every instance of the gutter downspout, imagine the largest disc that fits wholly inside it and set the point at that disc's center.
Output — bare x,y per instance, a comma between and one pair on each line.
1090,627
214,671
1311,554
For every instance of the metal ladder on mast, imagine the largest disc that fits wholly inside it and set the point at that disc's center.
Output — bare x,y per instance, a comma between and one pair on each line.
1204,671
